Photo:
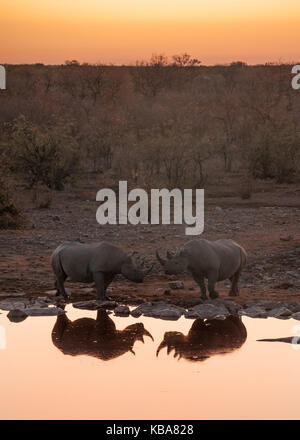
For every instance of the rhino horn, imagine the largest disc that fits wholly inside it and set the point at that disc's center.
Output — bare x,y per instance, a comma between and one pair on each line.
162,262
162,345
146,333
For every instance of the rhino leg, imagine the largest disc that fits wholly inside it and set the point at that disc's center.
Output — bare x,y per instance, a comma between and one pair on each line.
60,278
212,279
234,291
108,277
99,280
201,283
59,284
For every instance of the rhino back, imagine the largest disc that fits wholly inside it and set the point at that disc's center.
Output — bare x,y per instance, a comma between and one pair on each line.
80,260
201,256
222,255
229,253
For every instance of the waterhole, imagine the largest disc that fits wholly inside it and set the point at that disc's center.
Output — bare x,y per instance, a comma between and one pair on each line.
89,366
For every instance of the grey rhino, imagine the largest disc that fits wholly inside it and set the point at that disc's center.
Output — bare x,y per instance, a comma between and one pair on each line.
215,260
98,263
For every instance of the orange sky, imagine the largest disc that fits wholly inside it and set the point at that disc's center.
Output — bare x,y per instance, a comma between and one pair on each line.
121,31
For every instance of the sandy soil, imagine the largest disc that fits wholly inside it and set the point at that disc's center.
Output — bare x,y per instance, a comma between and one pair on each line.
267,226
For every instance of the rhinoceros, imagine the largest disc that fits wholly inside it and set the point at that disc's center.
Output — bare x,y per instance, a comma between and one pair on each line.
205,338
96,337
98,263
215,260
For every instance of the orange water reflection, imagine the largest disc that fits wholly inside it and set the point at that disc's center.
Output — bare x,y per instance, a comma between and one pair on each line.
37,380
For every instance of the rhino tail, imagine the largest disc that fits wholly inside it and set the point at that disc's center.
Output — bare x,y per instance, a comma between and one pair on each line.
243,255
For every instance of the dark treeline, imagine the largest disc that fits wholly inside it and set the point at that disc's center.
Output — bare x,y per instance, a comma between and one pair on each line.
160,123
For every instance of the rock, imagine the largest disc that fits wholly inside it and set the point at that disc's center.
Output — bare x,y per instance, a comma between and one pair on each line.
296,316
95,304
264,303
14,303
165,311
122,311
280,312
141,309
159,309
190,302
11,294
168,314
17,315
191,314
232,307
39,303
42,311
176,285
136,313
293,306
254,312
287,238
208,311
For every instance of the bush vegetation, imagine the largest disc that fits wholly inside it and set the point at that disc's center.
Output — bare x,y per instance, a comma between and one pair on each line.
167,123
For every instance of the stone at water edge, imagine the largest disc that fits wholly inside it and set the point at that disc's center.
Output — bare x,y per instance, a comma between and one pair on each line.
48,311
208,311
95,304
296,316
280,312
232,307
14,303
253,312
139,310
166,311
158,309
122,310
136,313
172,315
16,315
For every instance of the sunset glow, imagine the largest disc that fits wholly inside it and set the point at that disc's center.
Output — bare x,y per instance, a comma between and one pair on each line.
122,31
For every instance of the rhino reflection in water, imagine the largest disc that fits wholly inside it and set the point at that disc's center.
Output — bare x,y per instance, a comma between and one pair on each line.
96,337
206,338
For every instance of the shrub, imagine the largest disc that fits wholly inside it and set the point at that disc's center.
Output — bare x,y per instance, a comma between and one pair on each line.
10,216
43,155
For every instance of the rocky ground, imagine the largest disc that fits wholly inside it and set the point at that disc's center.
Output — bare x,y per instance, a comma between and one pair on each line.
267,226
20,308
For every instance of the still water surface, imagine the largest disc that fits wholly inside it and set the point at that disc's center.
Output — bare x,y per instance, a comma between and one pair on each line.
86,370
